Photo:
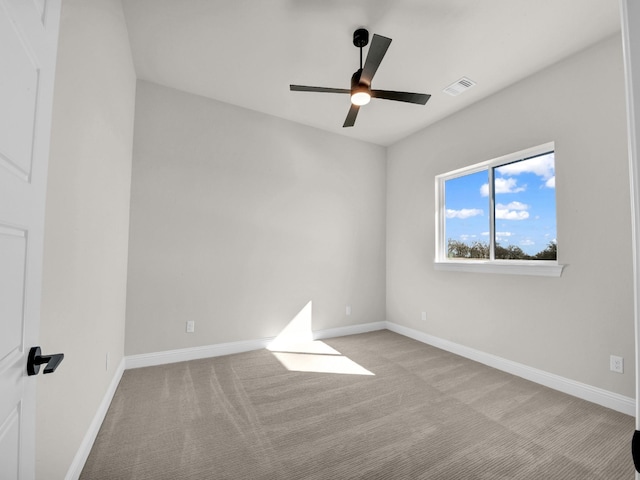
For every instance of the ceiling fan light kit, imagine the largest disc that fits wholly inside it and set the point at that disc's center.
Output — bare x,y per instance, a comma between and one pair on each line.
360,91
360,96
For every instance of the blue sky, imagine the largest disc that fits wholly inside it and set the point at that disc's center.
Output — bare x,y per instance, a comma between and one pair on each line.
525,205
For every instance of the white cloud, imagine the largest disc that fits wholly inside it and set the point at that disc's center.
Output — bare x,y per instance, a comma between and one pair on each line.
514,206
527,242
512,211
464,213
503,185
551,183
506,214
508,185
542,166
503,236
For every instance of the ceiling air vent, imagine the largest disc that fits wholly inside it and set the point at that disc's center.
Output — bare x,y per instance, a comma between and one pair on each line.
456,88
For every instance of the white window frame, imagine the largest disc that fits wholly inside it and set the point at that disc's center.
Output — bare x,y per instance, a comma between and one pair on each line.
549,268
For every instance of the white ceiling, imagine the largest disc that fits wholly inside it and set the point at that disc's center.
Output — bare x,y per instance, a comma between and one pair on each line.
247,52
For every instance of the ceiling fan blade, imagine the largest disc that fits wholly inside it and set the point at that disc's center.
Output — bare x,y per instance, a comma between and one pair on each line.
377,50
351,116
418,98
304,88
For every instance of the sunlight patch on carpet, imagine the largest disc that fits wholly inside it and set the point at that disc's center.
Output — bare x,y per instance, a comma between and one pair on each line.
296,350
318,363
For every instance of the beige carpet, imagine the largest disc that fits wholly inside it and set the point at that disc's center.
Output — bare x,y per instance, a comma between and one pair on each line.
422,414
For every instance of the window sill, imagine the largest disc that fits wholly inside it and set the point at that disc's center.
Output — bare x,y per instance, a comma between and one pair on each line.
538,268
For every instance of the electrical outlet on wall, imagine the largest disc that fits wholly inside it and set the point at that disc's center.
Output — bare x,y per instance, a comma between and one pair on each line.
191,326
616,364
348,310
423,316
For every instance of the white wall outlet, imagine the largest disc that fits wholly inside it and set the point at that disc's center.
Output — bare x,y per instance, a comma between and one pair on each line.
348,310
191,326
423,316
616,364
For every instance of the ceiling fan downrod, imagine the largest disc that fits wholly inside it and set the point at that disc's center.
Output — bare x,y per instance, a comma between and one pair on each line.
360,40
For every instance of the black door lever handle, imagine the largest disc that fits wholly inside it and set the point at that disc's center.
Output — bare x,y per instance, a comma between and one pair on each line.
36,359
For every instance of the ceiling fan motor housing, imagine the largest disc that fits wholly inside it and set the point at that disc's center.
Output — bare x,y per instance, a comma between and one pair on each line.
356,81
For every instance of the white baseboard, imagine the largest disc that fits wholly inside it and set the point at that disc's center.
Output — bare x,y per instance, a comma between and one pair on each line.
596,395
194,353
207,351
349,330
75,469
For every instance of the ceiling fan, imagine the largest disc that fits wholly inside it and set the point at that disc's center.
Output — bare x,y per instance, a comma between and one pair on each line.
361,91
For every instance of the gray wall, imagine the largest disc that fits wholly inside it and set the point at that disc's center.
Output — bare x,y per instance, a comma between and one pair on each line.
568,325
239,219
86,229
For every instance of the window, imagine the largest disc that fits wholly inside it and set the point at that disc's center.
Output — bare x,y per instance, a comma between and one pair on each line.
499,215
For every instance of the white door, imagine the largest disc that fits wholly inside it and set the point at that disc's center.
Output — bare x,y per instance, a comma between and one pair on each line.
28,43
